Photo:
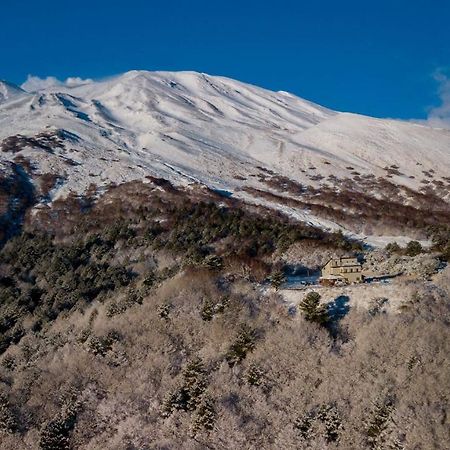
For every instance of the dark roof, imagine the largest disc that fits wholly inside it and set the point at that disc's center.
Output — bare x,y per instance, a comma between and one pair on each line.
343,257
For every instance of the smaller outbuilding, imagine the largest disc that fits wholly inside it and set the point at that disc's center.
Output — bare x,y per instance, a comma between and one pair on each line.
345,269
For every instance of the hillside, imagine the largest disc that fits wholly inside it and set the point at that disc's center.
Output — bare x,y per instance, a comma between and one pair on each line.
156,232
268,148
153,323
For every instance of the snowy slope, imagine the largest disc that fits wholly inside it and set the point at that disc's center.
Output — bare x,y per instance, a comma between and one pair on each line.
189,127
9,91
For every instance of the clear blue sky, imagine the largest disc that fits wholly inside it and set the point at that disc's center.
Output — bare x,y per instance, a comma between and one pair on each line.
374,57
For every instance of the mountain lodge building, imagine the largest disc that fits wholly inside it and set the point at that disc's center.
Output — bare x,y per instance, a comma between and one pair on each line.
345,269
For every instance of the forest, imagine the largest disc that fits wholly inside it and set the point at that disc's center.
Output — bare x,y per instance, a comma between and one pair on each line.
147,319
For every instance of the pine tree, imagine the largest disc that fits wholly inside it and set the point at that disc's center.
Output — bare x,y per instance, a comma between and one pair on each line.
205,415
8,422
277,279
189,393
55,434
330,417
207,311
245,342
379,422
313,310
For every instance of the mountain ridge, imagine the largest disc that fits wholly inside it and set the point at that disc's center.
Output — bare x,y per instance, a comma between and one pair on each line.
9,91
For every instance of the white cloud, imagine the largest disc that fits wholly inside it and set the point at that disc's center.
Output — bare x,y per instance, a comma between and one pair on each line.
34,83
439,116
77,81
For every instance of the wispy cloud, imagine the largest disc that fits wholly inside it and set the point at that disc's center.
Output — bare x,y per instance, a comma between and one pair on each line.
439,116
34,83
77,81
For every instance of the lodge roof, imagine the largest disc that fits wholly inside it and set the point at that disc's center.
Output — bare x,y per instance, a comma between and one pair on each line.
341,261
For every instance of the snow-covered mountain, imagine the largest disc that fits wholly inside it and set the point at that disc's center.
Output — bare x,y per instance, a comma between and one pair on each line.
194,128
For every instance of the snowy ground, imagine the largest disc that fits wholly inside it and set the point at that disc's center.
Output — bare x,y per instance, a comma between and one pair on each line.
300,281
356,295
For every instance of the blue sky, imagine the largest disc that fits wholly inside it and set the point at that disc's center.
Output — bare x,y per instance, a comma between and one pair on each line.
382,58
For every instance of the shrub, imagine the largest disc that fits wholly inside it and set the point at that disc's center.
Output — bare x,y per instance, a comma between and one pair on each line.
119,231
115,308
153,231
150,279
119,307
377,305
413,248
210,308
440,235
101,345
213,262
393,247
254,375
164,311
9,362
